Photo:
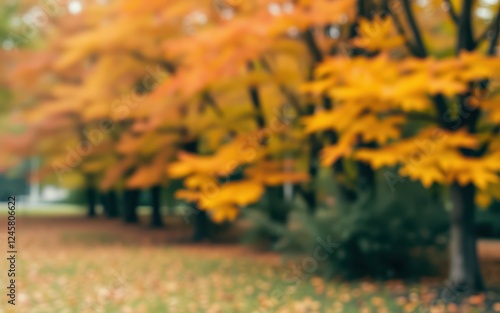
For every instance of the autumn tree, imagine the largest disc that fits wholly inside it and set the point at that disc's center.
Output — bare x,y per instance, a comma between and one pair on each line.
453,94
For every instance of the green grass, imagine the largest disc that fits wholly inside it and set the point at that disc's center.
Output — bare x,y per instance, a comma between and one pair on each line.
158,279
172,280
79,267
58,210
44,210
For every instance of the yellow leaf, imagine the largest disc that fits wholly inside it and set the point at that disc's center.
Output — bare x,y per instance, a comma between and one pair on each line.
483,199
379,34
179,169
239,193
426,174
224,213
189,195
331,154
198,180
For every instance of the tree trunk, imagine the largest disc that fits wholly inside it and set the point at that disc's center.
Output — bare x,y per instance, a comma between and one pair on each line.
91,201
113,204
105,203
131,200
156,217
366,178
464,263
201,222
309,194
366,174
110,204
344,193
201,225
278,210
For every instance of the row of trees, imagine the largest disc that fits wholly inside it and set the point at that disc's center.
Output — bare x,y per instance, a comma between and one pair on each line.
238,98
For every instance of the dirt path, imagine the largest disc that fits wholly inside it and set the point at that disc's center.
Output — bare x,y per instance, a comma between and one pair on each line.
489,250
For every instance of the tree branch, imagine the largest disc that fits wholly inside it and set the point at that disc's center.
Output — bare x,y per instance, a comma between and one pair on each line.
465,38
439,100
167,65
286,93
420,51
414,115
255,99
496,31
171,69
453,14
313,47
492,27
209,100
442,111
399,27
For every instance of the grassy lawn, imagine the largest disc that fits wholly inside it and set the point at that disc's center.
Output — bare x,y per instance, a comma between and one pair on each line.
70,264
50,209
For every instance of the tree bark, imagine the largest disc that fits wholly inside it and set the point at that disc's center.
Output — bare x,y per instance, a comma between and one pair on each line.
105,203
201,222
156,217
131,201
465,40
366,178
278,210
464,263
110,204
201,225
113,204
91,201
309,194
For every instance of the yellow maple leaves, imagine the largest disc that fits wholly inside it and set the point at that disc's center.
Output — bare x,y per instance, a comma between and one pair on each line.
433,156
491,107
149,175
226,159
339,119
355,126
208,183
221,200
379,34
275,173
395,82
367,91
343,148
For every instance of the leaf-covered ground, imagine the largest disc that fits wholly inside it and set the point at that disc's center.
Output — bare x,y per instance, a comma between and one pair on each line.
69,264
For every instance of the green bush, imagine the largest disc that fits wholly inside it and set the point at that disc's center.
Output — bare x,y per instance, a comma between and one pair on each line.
393,234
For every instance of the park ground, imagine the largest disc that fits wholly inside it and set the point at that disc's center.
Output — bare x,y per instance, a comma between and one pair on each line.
73,264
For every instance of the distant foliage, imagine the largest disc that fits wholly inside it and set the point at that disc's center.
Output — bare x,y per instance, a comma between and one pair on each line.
398,235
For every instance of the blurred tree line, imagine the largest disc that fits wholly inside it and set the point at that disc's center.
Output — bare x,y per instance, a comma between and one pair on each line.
369,122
